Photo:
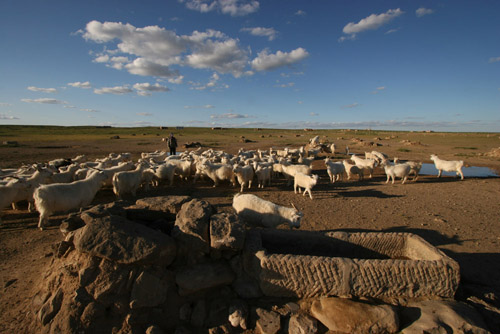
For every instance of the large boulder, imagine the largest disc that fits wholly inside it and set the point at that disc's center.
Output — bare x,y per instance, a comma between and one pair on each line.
347,316
191,231
227,232
117,239
157,208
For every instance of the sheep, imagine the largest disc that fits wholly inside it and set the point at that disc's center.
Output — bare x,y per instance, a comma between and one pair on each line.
305,161
9,191
398,170
290,170
448,166
121,167
218,172
304,181
66,176
414,167
127,182
260,212
314,141
63,197
41,176
183,167
352,169
368,164
244,175
335,170
263,174
164,172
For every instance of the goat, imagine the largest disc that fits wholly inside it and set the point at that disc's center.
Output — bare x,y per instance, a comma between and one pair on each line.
414,167
244,174
335,170
351,169
304,181
218,172
398,170
290,170
127,182
260,212
368,164
55,197
9,191
263,174
448,166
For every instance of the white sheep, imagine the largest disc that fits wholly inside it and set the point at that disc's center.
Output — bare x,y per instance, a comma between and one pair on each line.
335,170
63,197
66,176
368,164
41,176
414,167
304,181
183,167
448,166
244,175
396,170
164,171
218,172
263,174
258,211
289,170
121,167
351,169
9,191
128,182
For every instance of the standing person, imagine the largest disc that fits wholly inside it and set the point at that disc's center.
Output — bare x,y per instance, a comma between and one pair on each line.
172,144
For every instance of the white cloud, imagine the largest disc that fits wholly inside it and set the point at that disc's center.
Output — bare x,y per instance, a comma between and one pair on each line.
78,84
372,22
44,101
494,59
423,11
267,62
117,90
43,90
154,49
178,80
147,114
146,89
206,106
378,90
285,85
230,7
3,104
313,114
391,31
89,110
228,116
270,33
300,12
8,117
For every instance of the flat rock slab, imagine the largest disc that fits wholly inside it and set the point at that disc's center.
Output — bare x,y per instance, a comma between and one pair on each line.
435,316
156,208
120,240
268,322
204,276
347,316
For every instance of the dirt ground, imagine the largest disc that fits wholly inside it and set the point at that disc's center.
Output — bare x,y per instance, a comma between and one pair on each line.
462,218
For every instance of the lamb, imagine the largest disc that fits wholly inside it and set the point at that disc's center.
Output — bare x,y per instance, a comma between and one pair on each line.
290,170
352,169
127,182
263,174
218,172
398,170
304,181
368,164
244,174
64,197
335,170
448,166
66,176
264,213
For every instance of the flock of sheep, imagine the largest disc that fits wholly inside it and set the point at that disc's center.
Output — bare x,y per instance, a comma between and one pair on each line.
64,185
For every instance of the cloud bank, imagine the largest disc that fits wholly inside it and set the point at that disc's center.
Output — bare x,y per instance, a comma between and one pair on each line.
372,22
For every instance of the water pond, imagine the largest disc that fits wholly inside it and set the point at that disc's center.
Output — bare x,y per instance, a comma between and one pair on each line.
472,171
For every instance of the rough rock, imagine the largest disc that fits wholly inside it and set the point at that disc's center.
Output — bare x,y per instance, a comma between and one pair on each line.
226,232
199,313
435,316
302,324
203,276
268,322
238,314
347,316
191,230
103,210
122,241
92,313
148,290
51,307
156,208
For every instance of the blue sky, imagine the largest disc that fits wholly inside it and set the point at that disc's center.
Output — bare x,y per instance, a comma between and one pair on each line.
395,65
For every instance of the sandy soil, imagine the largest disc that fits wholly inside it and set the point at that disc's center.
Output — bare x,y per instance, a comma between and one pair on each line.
462,218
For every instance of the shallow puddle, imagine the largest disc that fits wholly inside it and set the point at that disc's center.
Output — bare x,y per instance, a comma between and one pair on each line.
473,171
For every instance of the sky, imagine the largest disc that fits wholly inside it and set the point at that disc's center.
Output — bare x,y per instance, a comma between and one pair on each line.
414,65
